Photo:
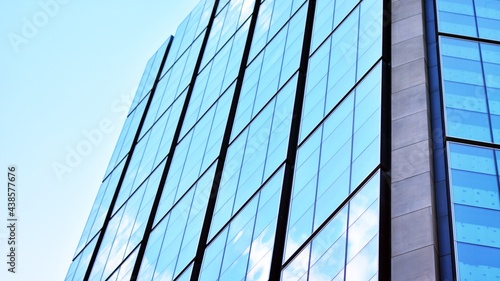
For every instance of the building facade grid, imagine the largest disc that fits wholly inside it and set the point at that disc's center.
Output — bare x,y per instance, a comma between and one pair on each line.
308,140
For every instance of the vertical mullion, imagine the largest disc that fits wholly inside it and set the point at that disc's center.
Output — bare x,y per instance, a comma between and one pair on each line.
224,147
384,268
286,192
175,139
125,167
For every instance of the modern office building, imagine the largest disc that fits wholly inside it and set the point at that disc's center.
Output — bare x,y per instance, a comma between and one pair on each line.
309,140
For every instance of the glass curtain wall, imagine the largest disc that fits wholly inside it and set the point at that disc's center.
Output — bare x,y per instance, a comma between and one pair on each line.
469,54
254,102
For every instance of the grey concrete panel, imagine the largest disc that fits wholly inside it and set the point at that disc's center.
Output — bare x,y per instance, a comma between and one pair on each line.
412,193
412,231
402,9
414,239
410,161
407,28
408,51
409,101
418,265
410,129
408,75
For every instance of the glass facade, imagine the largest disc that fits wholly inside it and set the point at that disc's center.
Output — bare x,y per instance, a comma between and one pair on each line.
258,147
469,73
195,186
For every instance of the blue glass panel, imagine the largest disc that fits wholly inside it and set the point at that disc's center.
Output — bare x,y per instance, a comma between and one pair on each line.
468,124
188,30
341,61
212,259
475,189
457,17
476,211
495,127
127,135
254,155
195,152
335,159
468,17
298,269
323,22
124,272
465,96
477,225
451,47
457,6
244,246
128,226
478,262
104,250
79,266
342,74
471,158
488,18
492,74
173,242
347,243
227,21
141,87
342,9
370,35
457,23
362,231
273,14
314,99
462,70
150,151
365,265
270,70
100,207
152,251
149,75
328,249
186,275
467,69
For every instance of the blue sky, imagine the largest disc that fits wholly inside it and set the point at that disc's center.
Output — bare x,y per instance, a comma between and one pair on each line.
65,68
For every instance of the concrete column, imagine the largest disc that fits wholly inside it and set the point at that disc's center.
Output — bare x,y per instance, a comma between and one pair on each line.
414,251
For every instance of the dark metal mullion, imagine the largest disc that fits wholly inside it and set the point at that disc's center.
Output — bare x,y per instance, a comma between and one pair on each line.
286,192
195,185
472,142
224,147
442,126
175,139
125,167
384,243
468,38
385,178
386,85
443,131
